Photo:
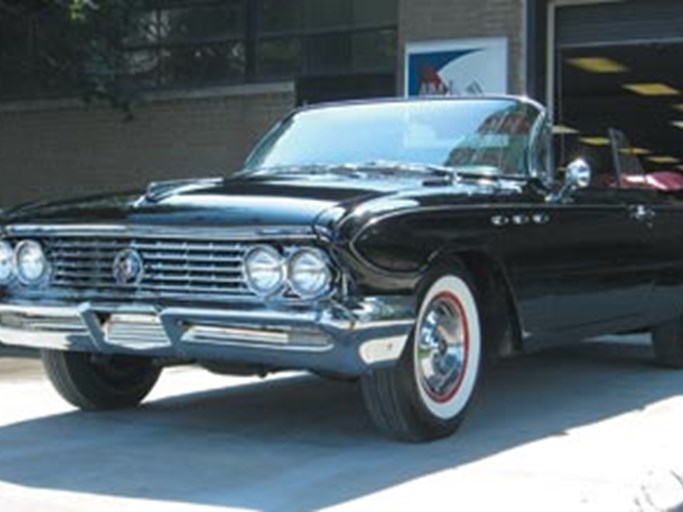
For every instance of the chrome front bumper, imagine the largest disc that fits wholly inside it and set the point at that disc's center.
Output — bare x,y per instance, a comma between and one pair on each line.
347,339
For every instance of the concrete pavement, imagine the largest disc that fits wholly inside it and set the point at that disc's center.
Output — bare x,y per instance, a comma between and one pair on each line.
592,427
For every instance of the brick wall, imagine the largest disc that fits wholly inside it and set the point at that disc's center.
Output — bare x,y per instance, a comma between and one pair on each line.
64,149
427,20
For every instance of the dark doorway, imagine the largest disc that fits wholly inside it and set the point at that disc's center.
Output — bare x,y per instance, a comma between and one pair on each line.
610,64
635,88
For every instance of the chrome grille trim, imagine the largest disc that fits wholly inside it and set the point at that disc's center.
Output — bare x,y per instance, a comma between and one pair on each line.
64,325
196,268
136,331
169,232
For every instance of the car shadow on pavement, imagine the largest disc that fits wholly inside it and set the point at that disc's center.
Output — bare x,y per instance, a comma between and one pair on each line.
305,443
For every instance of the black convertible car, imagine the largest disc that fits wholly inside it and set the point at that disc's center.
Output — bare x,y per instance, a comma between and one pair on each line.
400,242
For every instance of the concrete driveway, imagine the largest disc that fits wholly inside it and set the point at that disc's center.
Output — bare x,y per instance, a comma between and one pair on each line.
592,427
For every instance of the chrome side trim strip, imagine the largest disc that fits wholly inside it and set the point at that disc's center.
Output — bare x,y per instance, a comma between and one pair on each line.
211,334
241,338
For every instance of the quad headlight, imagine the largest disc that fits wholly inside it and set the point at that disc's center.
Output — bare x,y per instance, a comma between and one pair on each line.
264,270
309,273
306,272
30,261
6,263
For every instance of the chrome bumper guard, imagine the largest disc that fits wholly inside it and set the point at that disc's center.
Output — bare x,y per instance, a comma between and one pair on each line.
340,338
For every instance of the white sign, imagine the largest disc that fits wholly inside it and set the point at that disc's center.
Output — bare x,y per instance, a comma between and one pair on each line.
457,67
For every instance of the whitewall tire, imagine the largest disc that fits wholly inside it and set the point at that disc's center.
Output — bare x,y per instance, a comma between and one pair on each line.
426,395
446,356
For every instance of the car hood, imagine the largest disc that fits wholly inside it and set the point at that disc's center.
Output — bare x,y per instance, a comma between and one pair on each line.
245,202
248,202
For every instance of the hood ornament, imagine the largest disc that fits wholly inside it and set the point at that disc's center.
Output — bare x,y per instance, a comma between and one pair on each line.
159,190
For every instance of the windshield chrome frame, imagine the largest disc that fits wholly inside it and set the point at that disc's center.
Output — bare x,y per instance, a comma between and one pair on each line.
538,131
535,133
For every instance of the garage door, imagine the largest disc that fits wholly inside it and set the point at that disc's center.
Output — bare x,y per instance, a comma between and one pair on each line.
618,23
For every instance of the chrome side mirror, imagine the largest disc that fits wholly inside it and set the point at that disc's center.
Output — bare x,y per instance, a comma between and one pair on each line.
578,176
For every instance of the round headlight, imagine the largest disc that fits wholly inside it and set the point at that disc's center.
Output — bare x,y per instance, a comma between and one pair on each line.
264,270
309,273
6,262
31,263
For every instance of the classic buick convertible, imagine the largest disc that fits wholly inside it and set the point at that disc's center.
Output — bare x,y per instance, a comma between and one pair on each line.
401,243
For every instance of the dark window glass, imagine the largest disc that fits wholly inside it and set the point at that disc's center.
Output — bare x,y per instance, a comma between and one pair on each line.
143,67
202,42
217,63
186,43
296,16
280,15
143,30
31,49
14,37
374,50
334,37
329,53
327,14
279,57
202,23
375,12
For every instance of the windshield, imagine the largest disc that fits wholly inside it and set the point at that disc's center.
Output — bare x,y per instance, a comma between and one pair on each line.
487,136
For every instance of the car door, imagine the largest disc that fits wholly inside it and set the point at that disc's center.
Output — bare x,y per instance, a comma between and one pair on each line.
659,207
576,266
580,263
605,234
664,212
602,253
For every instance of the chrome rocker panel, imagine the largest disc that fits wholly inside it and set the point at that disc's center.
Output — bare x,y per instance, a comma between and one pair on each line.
347,339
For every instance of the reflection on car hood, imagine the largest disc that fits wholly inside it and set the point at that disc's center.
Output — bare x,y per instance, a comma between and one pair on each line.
261,201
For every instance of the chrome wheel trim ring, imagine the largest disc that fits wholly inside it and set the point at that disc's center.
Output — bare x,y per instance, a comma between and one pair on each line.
442,347
447,347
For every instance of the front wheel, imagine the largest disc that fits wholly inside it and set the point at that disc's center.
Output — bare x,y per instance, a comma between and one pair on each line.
425,396
114,383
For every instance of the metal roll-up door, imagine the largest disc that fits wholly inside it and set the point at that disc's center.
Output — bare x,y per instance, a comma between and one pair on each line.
627,22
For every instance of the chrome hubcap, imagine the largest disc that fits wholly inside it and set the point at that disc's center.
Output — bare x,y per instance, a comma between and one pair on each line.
442,347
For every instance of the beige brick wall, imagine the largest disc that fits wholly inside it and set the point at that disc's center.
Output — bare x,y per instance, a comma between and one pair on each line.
428,20
56,150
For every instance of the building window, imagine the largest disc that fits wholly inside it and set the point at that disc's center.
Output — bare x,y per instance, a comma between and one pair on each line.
187,43
196,43
330,36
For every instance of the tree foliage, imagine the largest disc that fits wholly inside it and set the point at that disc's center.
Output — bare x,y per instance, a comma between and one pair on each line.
98,32
78,45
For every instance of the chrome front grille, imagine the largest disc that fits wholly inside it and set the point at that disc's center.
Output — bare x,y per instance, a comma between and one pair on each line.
171,267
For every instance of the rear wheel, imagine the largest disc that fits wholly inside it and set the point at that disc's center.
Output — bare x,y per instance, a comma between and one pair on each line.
117,382
426,395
